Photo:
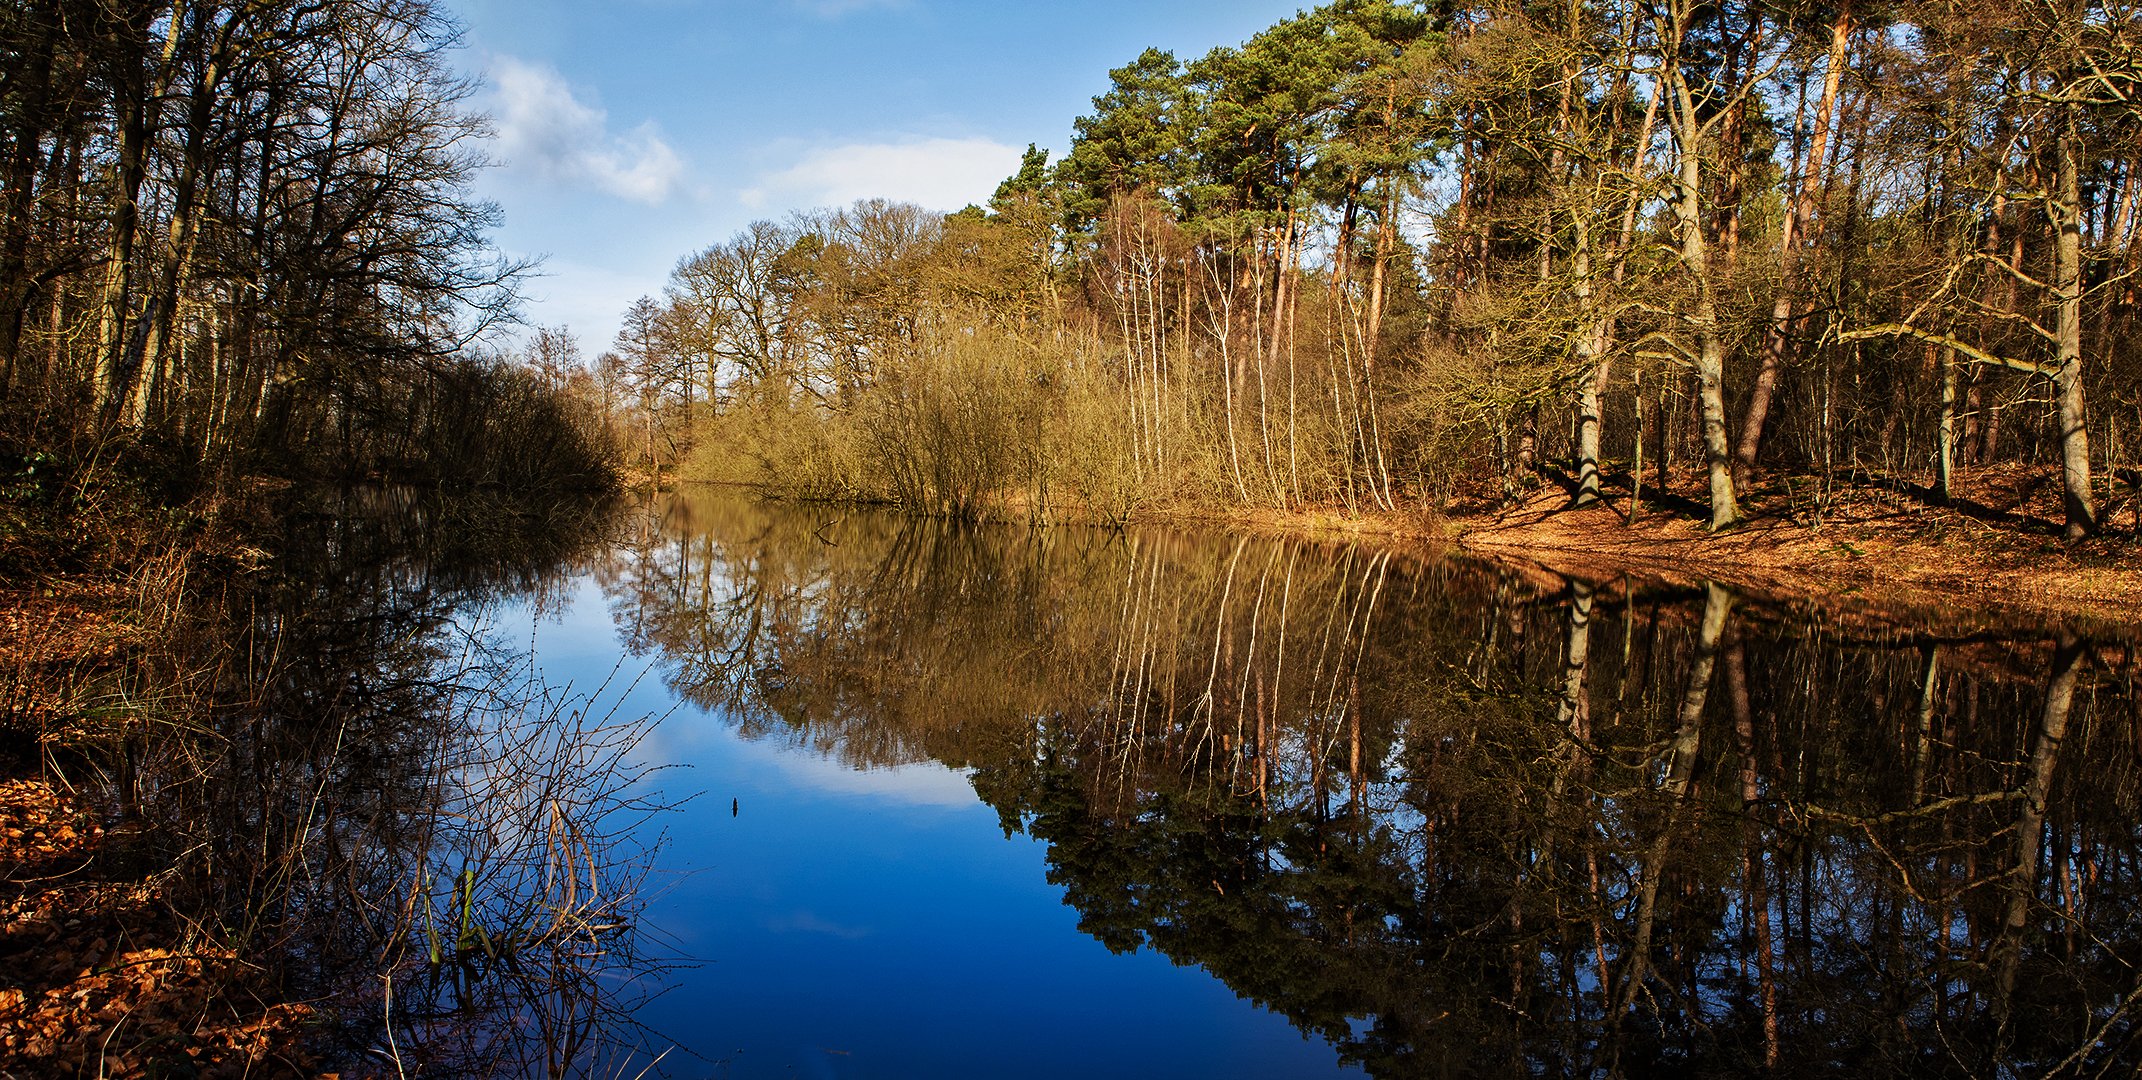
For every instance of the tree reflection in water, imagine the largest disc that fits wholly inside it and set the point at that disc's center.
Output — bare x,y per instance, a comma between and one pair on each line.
386,813
1458,819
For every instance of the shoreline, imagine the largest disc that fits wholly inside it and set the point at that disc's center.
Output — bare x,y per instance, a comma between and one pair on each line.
1873,554
1877,557
1994,555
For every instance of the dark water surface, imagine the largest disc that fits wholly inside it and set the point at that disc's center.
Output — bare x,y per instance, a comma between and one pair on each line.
1013,802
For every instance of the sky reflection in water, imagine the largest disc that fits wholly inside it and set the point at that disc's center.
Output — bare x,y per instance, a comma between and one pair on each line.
1071,802
877,922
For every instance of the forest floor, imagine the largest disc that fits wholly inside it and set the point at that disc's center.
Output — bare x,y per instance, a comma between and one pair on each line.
101,971
102,976
1863,539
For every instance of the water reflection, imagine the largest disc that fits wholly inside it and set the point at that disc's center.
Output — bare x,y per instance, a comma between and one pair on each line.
385,814
1455,819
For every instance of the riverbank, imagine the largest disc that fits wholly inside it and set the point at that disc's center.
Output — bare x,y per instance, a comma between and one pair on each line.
188,688
1872,541
105,972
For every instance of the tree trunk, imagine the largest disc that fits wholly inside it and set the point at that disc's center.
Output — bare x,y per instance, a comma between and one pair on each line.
1595,345
17,284
2081,510
1702,320
1945,443
185,213
1592,356
1636,468
1710,373
1798,219
114,380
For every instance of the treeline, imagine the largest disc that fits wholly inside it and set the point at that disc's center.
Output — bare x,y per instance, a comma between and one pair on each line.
1382,251
242,235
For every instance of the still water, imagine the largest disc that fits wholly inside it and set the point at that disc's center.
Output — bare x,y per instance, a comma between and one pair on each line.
956,801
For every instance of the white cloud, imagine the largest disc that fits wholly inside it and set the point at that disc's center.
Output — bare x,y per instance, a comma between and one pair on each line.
544,126
938,173
922,784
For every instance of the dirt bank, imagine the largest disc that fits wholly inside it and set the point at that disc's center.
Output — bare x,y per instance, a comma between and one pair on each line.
1994,551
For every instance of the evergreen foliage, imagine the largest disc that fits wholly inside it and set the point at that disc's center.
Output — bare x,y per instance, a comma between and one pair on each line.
1384,252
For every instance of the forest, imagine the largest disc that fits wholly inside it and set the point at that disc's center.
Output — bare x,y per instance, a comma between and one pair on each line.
239,239
274,438
244,280
1385,256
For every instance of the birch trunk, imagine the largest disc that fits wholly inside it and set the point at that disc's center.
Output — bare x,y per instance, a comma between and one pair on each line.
1703,317
2081,510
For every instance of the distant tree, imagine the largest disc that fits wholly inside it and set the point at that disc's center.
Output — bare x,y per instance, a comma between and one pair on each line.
554,352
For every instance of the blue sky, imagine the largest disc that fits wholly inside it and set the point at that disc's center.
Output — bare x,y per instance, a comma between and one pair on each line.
635,132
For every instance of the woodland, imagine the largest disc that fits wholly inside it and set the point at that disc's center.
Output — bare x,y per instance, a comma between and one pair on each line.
1387,256
243,279
267,424
238,240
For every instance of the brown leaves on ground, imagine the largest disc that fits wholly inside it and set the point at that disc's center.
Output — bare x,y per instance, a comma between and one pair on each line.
56,642
98,976
65,620
98,979
1996,549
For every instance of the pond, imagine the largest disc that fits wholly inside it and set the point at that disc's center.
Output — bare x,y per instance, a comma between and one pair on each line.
955,800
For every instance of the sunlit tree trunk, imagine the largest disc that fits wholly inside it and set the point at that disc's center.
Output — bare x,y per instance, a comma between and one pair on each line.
2076,499
1799,219
1702,318
1592,358
132,106
185,215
